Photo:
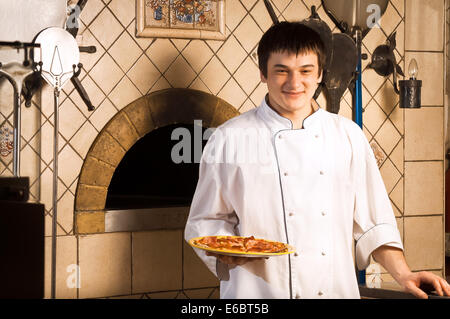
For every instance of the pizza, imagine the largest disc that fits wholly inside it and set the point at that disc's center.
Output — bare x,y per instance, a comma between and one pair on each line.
241,244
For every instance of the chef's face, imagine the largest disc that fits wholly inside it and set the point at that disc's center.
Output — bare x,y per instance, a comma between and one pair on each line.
292,81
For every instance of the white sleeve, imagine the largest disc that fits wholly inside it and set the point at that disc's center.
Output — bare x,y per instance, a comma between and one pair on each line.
374,220
211,212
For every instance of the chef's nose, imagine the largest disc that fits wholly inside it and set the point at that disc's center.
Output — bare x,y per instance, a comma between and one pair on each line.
294,81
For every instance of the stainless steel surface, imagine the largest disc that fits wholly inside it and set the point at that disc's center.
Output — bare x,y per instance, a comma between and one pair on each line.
146,219
55,189
16,73
59,54
355,12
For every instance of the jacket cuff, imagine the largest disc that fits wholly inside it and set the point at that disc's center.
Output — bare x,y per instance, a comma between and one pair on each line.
377,236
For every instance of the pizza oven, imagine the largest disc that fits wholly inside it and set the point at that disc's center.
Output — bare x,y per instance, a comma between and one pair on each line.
142,169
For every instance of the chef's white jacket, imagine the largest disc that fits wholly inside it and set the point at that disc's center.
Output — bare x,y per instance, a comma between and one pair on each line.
316,188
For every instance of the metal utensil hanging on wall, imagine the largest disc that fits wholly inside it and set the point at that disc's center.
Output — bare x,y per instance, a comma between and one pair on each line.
60,58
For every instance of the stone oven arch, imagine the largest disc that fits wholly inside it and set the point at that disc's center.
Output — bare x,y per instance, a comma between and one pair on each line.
158,109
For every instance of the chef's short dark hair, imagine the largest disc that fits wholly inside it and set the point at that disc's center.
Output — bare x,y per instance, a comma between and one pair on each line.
293,37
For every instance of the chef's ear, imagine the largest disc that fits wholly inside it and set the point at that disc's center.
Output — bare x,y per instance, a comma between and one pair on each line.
263,78
319,79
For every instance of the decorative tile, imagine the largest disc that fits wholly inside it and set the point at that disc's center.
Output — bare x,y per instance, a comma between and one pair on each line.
426,233
397,156
248,75
372,82
69,165
162,53
232,93
231,54
161,84
390,175
424,33
154,267
280,4
259,93
424,134
194,59
180,73
106,73
424,188
143,74
82,140
388,137
106,28
248,4
248,33
296,11
247,106
29,163
91,10
386,97
124,93
199,85
89,59
65,211
125,51
214,75
180,44
195,272
105,263
124,10
261,15
103,113
390,20
396,195
373,117
234,12
66,267
31,121
397,118
70,119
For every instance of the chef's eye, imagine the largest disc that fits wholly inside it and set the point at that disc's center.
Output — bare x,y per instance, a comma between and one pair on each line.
281,71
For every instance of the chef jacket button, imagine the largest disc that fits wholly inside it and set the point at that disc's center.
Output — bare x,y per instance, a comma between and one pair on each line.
291,214
320,293
323,253
297,296
316,136
280,136
296,254
322,173
285,174
323,213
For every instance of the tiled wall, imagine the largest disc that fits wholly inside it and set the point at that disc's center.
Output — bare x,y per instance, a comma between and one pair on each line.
125,68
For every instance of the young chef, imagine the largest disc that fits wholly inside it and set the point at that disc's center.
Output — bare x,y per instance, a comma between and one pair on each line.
315,185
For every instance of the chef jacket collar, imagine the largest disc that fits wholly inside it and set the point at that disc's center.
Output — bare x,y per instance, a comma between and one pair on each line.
278,122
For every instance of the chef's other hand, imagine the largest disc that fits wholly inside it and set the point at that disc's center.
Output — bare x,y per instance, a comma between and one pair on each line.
232,260
413,281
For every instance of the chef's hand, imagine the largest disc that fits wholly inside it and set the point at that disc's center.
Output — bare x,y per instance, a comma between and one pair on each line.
413,281
232,260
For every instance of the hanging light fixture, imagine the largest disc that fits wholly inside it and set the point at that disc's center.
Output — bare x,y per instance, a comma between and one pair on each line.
410,90
383,62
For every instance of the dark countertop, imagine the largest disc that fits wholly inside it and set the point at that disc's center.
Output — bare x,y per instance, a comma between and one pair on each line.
390,290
